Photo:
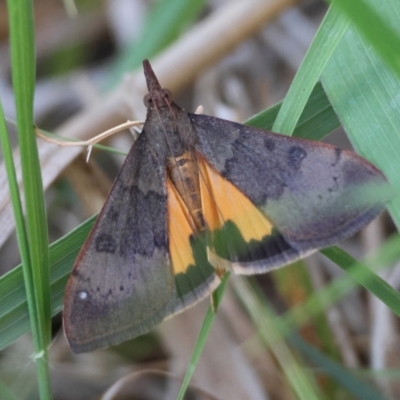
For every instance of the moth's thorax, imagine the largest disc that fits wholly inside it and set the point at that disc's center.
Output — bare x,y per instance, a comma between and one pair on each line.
158,98
184,174
173,139
169,130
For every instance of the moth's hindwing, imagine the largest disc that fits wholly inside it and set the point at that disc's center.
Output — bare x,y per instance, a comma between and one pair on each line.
298,195
194,275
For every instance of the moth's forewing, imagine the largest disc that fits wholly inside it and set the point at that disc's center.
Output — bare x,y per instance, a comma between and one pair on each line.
310,194
124,282
107,295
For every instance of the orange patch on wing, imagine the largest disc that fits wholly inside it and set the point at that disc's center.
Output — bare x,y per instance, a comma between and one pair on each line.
179,231
222,201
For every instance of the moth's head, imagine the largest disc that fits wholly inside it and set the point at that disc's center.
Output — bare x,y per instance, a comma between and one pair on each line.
157,96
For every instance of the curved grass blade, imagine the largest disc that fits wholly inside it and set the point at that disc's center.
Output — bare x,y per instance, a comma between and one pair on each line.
203,334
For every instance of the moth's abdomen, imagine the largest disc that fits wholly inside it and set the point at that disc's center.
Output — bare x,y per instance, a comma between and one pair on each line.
184,174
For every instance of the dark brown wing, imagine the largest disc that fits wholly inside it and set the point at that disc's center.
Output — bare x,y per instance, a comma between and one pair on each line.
314,194
110,295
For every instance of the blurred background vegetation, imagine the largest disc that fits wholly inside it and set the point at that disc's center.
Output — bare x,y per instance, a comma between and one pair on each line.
317,329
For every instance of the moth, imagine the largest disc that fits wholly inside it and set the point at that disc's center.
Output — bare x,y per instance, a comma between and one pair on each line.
198,195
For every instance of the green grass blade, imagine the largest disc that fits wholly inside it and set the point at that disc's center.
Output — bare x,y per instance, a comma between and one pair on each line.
5,393
372,21
295,285
14,316
364,92
365,277
301,382
321,300
317,120
16,201
385,373
346,378
203,335
36,267
293,107
328,36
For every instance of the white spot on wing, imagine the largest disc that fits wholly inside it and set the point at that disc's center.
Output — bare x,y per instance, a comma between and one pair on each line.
83,295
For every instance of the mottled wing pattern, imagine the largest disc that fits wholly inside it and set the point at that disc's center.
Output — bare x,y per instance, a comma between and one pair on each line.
123,282
312,194
124,260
